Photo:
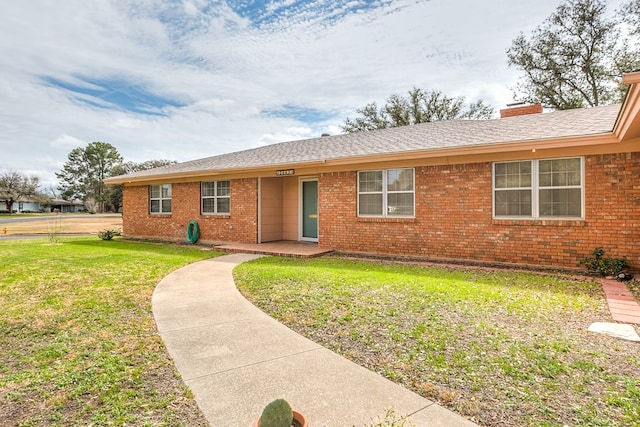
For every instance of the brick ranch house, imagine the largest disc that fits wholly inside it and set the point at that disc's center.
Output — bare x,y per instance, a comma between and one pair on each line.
541,189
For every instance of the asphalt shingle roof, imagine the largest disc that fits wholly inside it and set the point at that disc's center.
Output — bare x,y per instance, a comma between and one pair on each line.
415,138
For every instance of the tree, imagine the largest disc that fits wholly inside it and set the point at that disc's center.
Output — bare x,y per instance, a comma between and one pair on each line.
115,191
84,171
630,13
574,59
419,106
15,185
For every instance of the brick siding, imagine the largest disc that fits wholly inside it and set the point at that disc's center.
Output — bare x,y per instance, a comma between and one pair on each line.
239,226
521,110
454,218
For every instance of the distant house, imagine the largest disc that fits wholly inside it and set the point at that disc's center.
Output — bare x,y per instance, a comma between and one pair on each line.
67,206
27,206
21,205
55,205
539,189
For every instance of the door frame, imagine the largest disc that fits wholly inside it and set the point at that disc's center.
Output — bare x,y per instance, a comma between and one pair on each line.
301,209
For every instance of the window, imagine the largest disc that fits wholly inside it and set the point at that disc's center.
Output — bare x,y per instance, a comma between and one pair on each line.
386,193
512,182
160,198
216,197
538,188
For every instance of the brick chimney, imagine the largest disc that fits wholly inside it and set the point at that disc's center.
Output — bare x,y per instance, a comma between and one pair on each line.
520,109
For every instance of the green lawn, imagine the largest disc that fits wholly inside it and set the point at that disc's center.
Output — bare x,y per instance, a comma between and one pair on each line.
78,344
502,348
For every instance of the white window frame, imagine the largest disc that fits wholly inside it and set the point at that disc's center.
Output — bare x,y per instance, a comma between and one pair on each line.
215,198
385,192
535,191
160,199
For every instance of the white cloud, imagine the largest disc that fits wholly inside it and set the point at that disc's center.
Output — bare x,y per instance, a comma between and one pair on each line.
67,141
190,8
289,134
273,6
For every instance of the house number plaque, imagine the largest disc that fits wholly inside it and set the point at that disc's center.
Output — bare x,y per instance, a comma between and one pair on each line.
285,172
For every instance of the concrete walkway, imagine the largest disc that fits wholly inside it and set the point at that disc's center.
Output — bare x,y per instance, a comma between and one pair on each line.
236,359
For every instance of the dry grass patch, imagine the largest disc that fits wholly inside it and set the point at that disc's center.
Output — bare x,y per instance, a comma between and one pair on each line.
65,224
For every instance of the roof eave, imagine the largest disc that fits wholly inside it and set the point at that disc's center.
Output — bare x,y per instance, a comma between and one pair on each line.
627,125
124,179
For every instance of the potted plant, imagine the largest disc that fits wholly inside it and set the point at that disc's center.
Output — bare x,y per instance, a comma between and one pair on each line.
279,414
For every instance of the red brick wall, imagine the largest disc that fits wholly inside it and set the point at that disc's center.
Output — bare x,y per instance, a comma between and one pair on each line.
454,218
239,226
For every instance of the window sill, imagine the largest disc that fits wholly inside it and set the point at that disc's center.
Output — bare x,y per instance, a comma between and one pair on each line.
215,215
540,222
385,219
160,215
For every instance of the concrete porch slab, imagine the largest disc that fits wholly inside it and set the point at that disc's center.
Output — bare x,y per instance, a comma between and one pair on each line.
285,248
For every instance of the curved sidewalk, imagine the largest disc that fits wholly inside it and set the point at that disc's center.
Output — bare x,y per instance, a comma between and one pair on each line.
236,359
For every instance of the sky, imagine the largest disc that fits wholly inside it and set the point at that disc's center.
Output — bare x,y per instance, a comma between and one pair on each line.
183,80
